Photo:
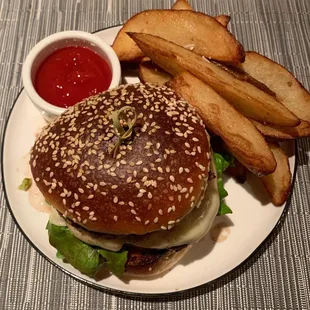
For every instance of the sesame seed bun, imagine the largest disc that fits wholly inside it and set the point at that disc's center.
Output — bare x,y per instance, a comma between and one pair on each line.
153,180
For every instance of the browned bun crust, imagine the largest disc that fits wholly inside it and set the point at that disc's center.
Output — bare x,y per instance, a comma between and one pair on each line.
155,179
148,263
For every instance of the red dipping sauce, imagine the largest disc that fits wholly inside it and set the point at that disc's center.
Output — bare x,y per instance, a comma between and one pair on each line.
71,74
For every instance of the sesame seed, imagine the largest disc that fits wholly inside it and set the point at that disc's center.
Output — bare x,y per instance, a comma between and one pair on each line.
115,217
171,177
115,199
163,228
171,222
149,195
114,186
181,170
146,222
94,219
160,169
156,220
183,190
81,190
138,163
138,219
132,211
169,210
189,180
160,212
85,208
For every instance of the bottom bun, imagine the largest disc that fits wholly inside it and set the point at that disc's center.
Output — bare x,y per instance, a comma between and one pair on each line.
142,264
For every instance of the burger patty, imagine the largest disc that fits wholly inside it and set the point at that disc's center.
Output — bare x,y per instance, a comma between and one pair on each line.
142,257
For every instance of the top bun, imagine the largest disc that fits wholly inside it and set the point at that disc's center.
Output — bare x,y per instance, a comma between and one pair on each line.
149,183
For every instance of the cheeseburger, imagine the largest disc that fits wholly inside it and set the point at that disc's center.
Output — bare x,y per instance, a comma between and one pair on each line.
130,179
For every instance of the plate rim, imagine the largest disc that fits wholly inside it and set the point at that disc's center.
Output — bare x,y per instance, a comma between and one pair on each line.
129,293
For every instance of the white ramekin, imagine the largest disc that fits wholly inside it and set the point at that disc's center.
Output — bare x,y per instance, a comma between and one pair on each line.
54,42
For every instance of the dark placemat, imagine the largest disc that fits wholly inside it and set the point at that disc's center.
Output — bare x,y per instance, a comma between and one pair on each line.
277,277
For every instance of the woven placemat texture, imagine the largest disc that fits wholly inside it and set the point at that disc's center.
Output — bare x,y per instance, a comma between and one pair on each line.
277,277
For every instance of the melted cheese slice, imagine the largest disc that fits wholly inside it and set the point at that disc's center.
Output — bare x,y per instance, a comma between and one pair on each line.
190,230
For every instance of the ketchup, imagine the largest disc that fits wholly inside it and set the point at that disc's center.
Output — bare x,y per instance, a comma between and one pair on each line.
71,74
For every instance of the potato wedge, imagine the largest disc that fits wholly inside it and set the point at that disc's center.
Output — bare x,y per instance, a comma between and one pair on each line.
151,73
223,19
288,90
278,183
245,97
208,36
283,133
240,136
182,5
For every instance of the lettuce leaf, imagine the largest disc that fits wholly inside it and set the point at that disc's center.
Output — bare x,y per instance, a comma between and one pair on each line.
87,259
222,162
114,261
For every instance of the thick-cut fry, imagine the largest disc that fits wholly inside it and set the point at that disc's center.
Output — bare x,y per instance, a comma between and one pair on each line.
245,97
151,73
223,19
182,5
288,90
284,133
278,183
239,135
207,36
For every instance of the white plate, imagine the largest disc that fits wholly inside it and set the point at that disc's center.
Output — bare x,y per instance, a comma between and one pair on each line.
246,229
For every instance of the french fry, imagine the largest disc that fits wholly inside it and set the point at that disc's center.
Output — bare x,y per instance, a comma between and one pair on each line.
239,135
207,36
182,5
283,133
150,73
286,87
223,19
245,97
278,183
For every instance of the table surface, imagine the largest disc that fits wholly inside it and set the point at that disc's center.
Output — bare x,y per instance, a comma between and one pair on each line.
277,277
